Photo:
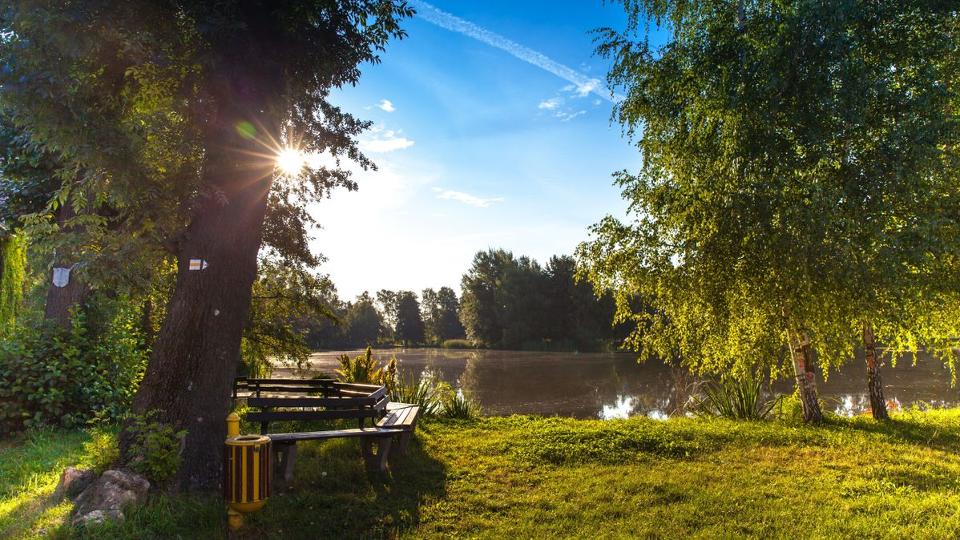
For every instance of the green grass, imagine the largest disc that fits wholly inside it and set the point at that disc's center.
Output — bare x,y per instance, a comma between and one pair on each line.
530,477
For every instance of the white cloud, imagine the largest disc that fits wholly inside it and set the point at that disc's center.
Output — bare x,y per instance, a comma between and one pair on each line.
557,106
386,105
567,116
585,88
550,104
385,141
453,23
466,198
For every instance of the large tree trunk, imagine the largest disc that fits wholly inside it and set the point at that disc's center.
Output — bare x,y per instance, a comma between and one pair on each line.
806,376
196,353
878,406
63,299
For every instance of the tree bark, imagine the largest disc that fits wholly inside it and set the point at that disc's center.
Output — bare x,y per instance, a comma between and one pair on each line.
806,377
197,351
146,322
878,406
62,301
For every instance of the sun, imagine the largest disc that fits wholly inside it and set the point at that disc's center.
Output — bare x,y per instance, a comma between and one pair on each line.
290,161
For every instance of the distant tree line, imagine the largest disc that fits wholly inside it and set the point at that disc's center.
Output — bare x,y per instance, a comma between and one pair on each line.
514,303
508,303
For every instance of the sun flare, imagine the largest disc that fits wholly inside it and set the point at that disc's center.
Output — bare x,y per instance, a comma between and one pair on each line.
290,161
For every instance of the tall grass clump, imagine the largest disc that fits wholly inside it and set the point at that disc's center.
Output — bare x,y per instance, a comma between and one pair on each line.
429,393
738,399
458,405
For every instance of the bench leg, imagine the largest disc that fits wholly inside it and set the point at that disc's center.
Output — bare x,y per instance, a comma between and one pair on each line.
405,442
376,461
283,459
398,452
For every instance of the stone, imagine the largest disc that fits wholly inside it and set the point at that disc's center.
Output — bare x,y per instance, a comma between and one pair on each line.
72,482
106,498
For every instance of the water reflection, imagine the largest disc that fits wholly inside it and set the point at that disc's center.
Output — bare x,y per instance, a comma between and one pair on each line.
615,386
623,408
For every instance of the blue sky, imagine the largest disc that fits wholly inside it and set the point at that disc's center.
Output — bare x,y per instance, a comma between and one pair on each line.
476,147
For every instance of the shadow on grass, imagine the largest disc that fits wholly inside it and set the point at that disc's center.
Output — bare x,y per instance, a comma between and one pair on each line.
334,496
331,496
935,435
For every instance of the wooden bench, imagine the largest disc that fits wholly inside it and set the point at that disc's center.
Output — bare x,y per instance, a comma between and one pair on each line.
402,418
327,399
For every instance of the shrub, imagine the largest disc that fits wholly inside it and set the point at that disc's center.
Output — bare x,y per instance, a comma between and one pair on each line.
790,408
52,376
361,369
740,399
102,448
154,447
458,344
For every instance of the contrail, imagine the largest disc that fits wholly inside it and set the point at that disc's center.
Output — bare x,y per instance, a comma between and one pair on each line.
584,84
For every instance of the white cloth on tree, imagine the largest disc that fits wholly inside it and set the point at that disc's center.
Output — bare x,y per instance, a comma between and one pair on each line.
61,276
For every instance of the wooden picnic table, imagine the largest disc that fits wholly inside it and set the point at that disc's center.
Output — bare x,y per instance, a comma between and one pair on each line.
380,421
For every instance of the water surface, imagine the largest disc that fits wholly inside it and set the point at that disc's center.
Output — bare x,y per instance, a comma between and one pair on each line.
599,385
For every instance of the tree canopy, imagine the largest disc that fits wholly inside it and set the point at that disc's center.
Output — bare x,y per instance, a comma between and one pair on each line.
440,313
166,119
798,179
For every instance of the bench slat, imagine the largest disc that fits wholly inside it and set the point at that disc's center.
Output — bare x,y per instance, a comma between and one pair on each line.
394,405
253,382
396,417
308,401
280,416
293,389
357,386
404,419
388,420
331,434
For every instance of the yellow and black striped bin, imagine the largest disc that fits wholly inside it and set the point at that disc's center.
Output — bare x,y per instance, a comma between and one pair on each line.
247,474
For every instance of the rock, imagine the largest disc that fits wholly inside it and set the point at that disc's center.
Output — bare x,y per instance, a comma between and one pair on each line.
72,482
106,498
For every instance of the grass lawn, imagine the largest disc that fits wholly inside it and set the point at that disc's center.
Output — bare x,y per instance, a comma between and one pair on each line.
526,477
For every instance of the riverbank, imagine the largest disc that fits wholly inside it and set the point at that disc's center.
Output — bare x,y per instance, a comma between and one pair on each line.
550,477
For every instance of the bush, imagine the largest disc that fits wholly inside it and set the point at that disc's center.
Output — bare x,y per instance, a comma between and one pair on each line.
458,344
102,448
154,447
51,376
789,408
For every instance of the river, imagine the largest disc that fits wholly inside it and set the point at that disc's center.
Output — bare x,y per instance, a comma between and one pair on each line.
597,385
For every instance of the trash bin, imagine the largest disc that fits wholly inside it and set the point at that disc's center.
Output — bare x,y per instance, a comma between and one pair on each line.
247,472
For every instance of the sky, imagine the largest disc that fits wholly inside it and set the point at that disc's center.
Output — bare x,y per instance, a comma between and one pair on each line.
492,129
